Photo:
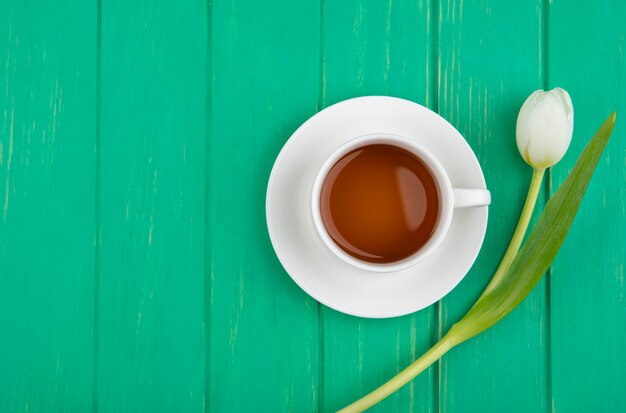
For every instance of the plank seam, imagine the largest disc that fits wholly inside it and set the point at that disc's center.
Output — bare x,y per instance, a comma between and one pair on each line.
320,311
97,212
545,17
434,90
208,255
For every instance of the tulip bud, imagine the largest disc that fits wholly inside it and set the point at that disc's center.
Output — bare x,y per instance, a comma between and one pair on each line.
544,127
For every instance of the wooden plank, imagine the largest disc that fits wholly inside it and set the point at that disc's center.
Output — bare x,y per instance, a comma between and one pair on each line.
490,61
151,301
377,48
264,331
588,304
47,205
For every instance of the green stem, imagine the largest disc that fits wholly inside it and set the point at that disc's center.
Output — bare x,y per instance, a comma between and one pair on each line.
402,378
520,231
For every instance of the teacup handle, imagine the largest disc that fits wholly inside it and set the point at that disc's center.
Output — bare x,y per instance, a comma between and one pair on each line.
466,198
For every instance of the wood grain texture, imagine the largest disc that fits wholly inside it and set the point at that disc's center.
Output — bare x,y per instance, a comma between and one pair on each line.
376,48
490,61
264,331
47,207
152,265
588,300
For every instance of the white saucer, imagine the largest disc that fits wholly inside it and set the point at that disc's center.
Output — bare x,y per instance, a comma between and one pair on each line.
313,266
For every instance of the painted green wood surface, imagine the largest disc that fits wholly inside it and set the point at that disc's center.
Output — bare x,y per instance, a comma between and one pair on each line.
136,140
151,332
588,294
47,207
264,347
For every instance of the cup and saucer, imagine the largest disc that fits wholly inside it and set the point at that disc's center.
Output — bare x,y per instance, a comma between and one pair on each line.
324,269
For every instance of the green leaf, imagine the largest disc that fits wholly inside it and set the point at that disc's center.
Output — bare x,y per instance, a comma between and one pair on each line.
541,247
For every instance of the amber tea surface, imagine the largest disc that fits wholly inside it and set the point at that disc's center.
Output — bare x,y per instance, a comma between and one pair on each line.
379,203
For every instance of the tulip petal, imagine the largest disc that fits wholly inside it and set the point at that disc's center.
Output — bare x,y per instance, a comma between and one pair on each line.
544,127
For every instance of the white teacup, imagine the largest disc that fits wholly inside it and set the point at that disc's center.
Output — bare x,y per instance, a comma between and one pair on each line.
449,199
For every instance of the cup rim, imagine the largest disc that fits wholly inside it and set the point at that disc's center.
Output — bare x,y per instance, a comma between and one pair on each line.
442,181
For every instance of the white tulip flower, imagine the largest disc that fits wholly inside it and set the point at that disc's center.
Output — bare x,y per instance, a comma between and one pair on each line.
544,127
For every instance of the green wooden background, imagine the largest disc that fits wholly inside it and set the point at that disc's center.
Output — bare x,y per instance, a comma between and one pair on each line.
136,140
